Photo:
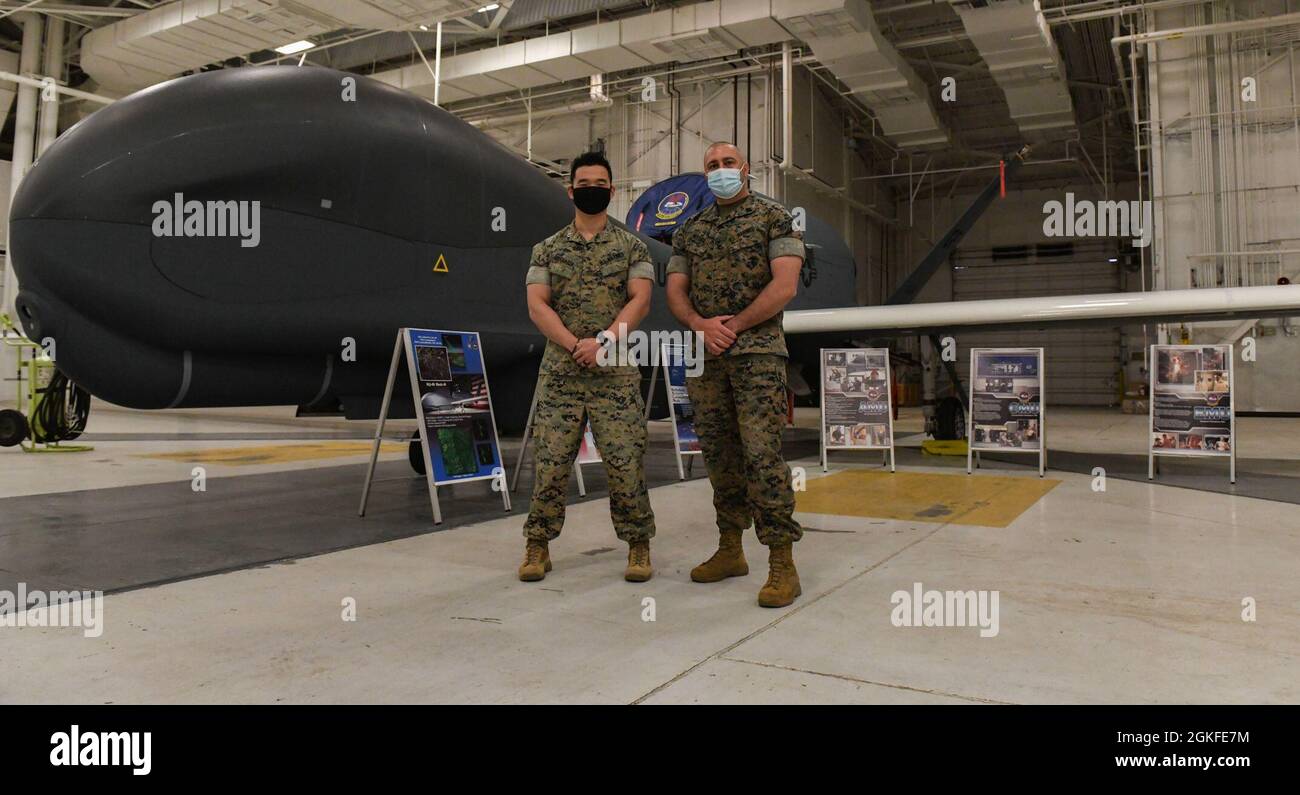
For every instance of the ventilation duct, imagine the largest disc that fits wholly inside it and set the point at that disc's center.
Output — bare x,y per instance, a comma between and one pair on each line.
846,39
185,35
1013,39
690,33
842,33
165,41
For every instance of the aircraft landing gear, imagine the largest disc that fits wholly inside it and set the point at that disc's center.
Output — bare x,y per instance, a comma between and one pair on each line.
13,428
415,453
950,420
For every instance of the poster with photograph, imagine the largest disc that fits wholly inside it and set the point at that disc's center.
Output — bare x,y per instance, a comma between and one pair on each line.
674,358
856,408
1006,399
455,406
1191,400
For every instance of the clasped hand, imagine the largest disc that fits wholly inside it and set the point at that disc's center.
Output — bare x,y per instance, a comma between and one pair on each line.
718,336
584,353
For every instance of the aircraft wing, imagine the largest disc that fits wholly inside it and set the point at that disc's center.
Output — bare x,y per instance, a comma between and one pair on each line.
1159,306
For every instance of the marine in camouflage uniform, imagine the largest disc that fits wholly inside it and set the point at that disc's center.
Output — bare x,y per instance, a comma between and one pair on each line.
589,281
740,398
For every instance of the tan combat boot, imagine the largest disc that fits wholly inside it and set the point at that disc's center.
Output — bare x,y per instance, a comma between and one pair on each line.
782,580
537,561
728,561
638,562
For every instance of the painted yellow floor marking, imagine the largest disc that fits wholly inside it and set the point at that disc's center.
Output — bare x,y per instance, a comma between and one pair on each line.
275,453
984,500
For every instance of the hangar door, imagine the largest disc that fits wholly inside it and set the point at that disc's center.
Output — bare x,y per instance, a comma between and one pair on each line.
1083,364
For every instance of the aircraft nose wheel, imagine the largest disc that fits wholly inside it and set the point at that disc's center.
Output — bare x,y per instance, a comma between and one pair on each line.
950,420
416,454
13,428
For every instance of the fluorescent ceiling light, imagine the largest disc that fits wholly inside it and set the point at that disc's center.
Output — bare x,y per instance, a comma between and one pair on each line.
293,47
489,7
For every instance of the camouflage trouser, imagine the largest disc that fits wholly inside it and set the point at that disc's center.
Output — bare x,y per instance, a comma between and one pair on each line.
617,413
740,408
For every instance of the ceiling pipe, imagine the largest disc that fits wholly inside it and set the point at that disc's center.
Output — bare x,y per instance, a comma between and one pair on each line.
1208,30
787,113
24,136
437,65
49,129
563,110
43,82
50,9
961,169
1063,15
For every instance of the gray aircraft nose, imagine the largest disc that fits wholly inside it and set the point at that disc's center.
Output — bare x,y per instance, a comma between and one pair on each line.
37,321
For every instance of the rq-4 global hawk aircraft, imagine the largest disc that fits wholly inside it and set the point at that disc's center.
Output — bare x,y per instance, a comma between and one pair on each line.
371,215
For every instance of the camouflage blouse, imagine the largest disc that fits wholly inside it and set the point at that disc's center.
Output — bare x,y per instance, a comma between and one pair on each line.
588,281
727,253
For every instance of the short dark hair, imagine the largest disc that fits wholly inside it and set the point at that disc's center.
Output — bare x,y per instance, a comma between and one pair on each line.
590,159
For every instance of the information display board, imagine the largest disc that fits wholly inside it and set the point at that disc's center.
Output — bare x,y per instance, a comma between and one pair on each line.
1191,404
1006,403
857,402
458,431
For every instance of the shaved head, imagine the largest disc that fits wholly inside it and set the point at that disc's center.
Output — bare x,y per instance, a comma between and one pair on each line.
723,154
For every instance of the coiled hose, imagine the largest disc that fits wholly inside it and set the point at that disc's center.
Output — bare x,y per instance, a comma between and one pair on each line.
62,413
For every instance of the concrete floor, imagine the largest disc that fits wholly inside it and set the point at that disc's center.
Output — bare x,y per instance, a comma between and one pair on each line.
1133,594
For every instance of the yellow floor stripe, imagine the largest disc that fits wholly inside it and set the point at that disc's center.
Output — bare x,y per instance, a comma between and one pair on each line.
984,500
275,453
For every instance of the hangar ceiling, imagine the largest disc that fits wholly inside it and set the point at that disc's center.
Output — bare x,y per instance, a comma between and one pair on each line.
1022,74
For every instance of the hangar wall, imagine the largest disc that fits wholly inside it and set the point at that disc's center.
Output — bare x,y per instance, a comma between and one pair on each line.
1006,254
1225,169
643,148
1013,220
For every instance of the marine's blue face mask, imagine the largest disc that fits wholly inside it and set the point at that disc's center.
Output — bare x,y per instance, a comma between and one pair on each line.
725,182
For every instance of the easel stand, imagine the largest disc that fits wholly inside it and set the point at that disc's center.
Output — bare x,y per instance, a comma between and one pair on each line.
973,454
403,344
886,453
1153,458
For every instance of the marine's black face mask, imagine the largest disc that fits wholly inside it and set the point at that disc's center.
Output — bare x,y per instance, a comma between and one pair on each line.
592,200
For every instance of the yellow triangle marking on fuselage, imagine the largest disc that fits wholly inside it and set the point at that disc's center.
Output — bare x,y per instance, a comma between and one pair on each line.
441,265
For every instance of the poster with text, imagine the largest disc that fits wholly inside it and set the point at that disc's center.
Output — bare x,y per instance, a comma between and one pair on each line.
455,406
683,413
856,403
1006,405
1191,400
